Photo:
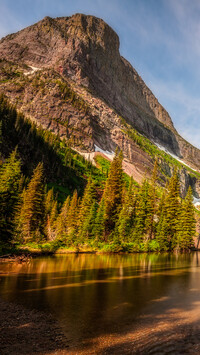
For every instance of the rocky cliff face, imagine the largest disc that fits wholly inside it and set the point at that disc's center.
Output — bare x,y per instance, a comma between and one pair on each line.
67,75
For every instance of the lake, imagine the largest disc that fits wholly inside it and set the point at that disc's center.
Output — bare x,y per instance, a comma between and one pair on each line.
114,303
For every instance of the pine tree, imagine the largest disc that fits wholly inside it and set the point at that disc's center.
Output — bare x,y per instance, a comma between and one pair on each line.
62,220
49,199
32,212
113,193
172,209
151,208
142,211
87,231
127,215
85,206
187,223
51,221
73,213
162,226
51,213
99,228
10,189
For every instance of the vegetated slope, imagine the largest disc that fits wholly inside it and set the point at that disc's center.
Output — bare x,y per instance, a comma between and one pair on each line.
64,169
67,75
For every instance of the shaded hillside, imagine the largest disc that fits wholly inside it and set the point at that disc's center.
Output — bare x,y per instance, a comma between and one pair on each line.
64,169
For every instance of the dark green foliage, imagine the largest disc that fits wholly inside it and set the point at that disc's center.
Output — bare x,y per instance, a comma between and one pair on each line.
150,220
100,222
87,228
11,184
119,216
50,215
127,215
162,226
68,94
144,213
186,228
31,216
151,149
8,116
72,217
113,193
64,169
135,220
62,220
172,209
85,209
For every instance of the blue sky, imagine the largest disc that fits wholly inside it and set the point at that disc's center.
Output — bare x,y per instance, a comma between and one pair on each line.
160,38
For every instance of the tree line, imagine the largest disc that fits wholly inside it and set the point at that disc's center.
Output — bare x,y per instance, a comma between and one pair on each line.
62,166
121,218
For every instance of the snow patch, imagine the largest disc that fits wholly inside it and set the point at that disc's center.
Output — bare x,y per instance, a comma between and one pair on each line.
34,69
108,154
87,156
173,155
196,201
90,156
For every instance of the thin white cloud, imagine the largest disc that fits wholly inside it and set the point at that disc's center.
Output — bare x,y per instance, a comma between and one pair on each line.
186,13
185,107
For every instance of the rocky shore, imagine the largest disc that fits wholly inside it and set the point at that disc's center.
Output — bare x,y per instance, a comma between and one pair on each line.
24,331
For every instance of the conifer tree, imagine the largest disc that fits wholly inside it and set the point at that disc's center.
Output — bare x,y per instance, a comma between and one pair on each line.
51,221
87,231
113,193
32,212
51,213
151,209
142,211
187,223
62,220
172,209
162,226
73,213
127,215
85,205
99,228
10,189
49,199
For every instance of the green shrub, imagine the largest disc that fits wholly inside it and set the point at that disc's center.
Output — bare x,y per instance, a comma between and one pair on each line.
153,245
112,248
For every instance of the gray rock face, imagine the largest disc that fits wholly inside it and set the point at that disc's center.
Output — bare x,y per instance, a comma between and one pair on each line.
83,52
86,49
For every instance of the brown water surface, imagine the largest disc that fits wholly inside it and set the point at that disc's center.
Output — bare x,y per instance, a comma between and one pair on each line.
114,304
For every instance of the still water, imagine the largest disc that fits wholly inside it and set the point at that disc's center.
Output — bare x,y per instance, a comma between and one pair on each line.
99,296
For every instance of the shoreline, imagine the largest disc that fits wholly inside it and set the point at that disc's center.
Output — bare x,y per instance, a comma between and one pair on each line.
25,254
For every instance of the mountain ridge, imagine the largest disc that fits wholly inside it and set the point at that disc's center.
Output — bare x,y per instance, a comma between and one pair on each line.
67,75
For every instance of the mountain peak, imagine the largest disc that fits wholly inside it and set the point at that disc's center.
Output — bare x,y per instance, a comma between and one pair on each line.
82,52
51,41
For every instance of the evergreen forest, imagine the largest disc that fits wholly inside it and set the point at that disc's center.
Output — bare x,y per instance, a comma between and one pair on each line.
53,198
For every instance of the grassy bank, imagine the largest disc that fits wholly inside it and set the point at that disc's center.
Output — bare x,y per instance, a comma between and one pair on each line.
56,247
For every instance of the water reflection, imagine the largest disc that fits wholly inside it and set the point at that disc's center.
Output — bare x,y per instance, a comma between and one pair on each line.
93,295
